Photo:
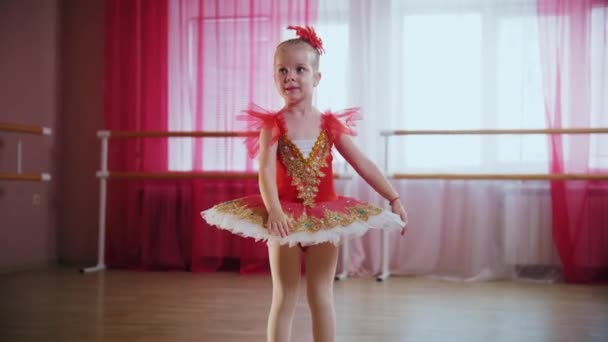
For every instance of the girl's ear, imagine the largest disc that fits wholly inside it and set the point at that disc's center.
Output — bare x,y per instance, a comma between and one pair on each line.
317,78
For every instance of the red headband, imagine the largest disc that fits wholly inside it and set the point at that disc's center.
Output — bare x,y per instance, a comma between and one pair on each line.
308,34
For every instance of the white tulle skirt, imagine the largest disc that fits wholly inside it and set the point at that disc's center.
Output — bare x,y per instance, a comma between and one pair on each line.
331,221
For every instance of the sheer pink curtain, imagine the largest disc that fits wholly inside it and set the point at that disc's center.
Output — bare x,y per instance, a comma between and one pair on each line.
418,64
194,64
140,232
574,45
185,65
221,55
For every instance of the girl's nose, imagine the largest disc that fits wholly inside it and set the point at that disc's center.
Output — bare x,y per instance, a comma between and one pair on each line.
290,76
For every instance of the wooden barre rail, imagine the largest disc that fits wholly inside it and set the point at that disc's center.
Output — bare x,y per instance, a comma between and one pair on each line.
26,129
180,175
515,176
229,134
440,176
498,131
188,175
25,177
159,134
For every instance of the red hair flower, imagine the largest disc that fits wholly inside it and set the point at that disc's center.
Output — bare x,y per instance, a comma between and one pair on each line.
308,34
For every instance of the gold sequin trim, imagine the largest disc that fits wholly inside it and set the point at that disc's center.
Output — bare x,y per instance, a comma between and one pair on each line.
330,219
305,172
238,209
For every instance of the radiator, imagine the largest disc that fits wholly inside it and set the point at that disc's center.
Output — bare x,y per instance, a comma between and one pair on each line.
526,218
527,229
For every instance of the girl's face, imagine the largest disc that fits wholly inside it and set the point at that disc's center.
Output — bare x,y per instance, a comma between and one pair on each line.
294,74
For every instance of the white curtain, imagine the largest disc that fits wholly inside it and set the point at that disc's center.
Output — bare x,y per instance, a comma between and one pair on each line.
433,64
424,64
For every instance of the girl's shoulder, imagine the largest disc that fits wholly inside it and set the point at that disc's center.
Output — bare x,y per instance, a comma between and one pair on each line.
340,122
257,118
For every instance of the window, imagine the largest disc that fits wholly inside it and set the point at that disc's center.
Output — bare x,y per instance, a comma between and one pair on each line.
454,65
233,59
599,89
332,92
470,68
519,93
441,73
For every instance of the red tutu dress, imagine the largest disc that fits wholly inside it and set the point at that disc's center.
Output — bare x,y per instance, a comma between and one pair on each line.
306,189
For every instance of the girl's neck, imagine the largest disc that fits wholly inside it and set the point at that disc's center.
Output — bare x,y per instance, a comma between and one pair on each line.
299,109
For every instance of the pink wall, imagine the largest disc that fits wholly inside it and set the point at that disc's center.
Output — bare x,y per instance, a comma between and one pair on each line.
81,98
28,95
51,63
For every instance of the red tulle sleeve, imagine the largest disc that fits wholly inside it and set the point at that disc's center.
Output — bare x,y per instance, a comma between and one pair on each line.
342,122
257,119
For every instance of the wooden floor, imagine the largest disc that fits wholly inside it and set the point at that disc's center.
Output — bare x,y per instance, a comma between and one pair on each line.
63,305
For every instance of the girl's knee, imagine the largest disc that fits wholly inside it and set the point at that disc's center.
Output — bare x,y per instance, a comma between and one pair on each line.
285,296
320,296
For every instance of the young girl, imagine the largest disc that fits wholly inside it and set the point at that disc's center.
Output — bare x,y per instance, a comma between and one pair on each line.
298,210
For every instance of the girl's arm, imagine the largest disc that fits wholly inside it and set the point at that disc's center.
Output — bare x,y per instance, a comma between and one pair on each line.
278,223
370,173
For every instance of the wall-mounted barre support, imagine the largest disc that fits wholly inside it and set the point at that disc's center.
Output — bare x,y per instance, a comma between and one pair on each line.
19,176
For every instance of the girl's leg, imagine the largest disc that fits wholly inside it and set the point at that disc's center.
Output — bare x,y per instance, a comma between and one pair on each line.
285,269
321,263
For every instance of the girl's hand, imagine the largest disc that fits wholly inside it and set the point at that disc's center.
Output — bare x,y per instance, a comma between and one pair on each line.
278,223
397,208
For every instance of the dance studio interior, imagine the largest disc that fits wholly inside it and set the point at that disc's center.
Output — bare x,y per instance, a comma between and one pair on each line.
120,127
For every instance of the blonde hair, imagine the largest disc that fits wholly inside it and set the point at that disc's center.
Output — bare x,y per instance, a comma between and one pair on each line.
295,42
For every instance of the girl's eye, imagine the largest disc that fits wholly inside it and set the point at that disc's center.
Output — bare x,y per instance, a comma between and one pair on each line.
301,69
282,70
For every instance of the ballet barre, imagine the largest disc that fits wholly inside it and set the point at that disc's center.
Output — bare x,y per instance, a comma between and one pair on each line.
487,176
25,177
501,176
24,129
497,131
182,175
20,176
104,175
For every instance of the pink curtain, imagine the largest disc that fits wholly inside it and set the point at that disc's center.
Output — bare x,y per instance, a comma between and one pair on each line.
141,215
231,44
214,249
573,47
186,65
